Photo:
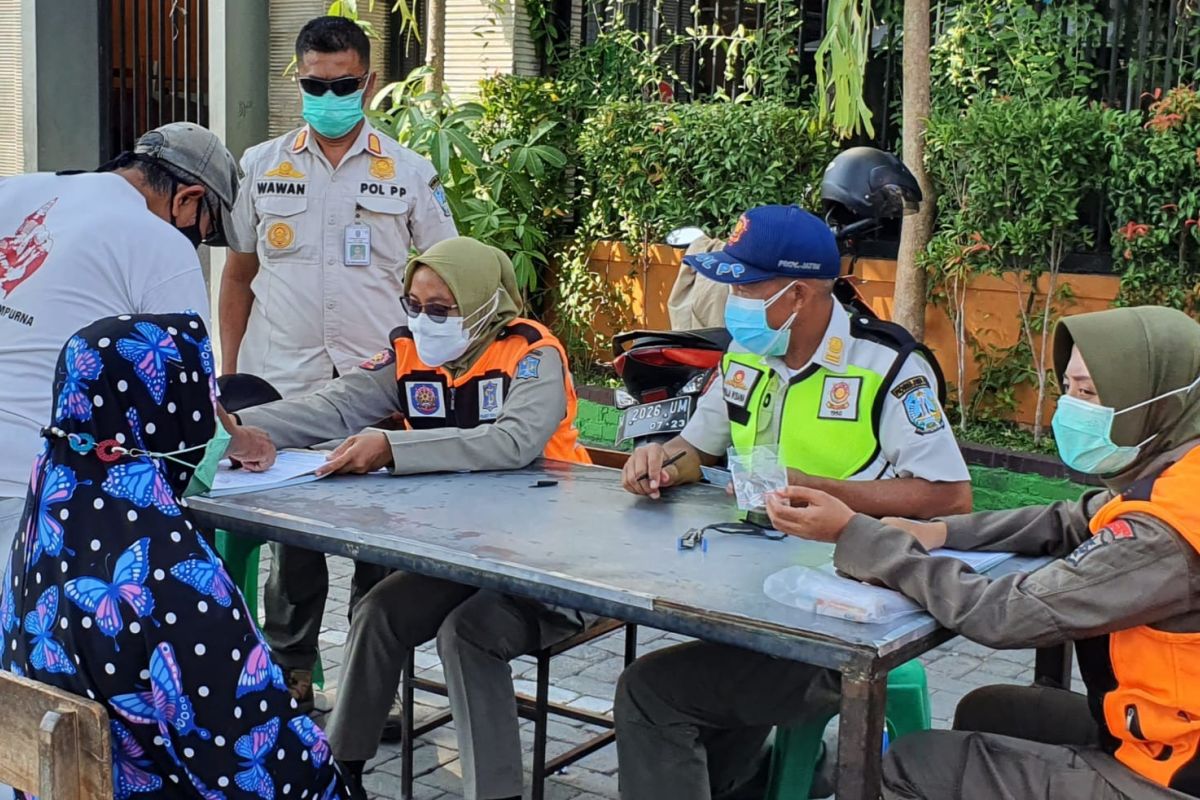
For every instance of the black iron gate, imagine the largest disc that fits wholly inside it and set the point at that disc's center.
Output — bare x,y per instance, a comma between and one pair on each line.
157,51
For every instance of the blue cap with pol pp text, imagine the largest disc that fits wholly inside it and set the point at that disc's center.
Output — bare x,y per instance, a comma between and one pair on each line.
773,242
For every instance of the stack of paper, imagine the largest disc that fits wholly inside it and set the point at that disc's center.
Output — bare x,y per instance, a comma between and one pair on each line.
291,467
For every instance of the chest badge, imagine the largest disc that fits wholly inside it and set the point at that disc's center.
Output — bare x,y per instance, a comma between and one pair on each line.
839,398
284,170
490,401
383,168
425,399
738,383
280,235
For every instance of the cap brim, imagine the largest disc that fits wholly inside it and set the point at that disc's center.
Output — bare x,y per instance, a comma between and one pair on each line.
724,268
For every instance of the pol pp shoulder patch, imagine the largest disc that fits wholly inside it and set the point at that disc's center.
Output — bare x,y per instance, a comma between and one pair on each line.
379,360
528,367
1116,531
920,405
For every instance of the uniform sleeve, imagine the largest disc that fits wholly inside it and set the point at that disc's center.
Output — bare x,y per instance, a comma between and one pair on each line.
430,221
343,407
913,434
1051,530
245,220
708,429
532,411
1136,571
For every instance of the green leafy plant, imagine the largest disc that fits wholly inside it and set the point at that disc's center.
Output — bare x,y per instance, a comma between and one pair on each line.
1012,175
492,190
841,63
1154,193
1000,48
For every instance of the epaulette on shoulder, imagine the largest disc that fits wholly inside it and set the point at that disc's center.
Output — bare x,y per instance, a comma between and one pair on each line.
881,331
400,332
524,330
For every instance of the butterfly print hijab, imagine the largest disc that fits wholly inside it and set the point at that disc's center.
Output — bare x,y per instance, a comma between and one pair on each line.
111,592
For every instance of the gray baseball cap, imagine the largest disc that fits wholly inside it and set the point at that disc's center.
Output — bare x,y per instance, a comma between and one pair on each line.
196,153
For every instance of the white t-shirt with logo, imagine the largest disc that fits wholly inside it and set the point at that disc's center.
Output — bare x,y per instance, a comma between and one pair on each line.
73,249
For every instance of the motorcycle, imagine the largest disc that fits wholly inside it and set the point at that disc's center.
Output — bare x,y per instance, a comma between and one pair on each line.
665,372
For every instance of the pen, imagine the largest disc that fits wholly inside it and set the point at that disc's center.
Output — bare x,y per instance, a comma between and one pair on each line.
666,464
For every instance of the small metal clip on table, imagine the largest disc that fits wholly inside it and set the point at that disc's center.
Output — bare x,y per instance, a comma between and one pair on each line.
587,544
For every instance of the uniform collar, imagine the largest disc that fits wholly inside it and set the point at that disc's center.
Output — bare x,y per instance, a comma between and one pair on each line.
831,353
368,140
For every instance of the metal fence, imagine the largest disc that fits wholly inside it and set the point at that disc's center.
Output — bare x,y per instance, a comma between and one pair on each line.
158,51
1144,44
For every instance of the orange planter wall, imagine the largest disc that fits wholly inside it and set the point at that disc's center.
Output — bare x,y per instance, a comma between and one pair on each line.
991,305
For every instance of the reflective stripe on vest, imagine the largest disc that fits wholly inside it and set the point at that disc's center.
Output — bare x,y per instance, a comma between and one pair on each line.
1154,710
431,398
828,423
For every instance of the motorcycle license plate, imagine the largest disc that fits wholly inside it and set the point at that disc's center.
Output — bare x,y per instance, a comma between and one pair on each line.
665,416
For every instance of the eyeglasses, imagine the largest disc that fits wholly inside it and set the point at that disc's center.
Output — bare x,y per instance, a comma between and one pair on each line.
435,311
339,86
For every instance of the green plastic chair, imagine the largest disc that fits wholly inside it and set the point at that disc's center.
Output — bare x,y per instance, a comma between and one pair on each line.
797,748
240,554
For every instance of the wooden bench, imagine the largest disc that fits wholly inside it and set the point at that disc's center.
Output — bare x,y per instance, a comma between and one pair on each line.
53,744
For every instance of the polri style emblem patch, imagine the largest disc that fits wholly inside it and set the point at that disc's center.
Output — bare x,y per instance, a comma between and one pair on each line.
439,194
425,399
1116,531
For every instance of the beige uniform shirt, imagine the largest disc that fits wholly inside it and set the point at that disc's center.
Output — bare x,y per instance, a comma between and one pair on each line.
332,246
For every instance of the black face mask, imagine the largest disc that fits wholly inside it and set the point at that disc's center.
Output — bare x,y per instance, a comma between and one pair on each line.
192,232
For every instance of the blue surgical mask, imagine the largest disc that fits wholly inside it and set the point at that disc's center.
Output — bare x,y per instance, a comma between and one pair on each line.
332,116
1083,434
746,320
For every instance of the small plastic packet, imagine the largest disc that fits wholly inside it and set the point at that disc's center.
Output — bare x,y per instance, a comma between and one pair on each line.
831,595
755,475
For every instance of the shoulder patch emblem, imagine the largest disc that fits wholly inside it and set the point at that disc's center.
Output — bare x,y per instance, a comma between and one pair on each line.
280,235
1116,531
383,168
285,170
379,360
529,367
839,398
920,405
439,195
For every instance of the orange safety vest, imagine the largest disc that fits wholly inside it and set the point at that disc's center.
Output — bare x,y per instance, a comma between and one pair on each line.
431,398
1144,684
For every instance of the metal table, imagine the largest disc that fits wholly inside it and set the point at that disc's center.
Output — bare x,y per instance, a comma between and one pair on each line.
587,544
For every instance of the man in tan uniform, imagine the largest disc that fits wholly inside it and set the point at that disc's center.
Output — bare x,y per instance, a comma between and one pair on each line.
334,208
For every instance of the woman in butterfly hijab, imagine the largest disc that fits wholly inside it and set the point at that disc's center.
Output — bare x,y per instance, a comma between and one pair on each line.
112,593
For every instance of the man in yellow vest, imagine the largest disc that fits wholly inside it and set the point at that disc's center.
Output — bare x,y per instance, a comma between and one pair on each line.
1125,586
851,404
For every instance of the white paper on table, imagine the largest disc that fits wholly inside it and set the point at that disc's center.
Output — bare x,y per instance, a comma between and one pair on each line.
291,467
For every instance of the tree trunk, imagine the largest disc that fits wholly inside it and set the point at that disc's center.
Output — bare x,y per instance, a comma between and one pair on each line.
909,300
435,43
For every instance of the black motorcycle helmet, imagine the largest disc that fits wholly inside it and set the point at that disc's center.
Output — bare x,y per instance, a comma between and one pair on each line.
866,183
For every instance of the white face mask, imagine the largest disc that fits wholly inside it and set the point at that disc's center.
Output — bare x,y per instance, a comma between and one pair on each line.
439,343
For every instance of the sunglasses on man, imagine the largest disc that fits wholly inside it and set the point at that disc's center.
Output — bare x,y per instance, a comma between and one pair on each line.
339,86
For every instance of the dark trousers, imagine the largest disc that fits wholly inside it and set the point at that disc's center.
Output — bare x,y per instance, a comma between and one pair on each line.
1013,743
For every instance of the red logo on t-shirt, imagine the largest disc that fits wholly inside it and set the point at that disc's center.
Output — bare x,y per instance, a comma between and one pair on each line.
23,253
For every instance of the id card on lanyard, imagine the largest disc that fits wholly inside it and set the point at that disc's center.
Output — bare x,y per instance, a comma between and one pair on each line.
357,245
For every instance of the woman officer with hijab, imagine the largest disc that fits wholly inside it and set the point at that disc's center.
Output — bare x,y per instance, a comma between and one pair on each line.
474,387
1125,587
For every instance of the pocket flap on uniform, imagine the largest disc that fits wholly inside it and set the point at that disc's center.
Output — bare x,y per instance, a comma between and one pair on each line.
383,205
280,206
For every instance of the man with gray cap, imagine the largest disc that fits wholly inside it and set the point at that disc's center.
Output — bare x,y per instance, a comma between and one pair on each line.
75,247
